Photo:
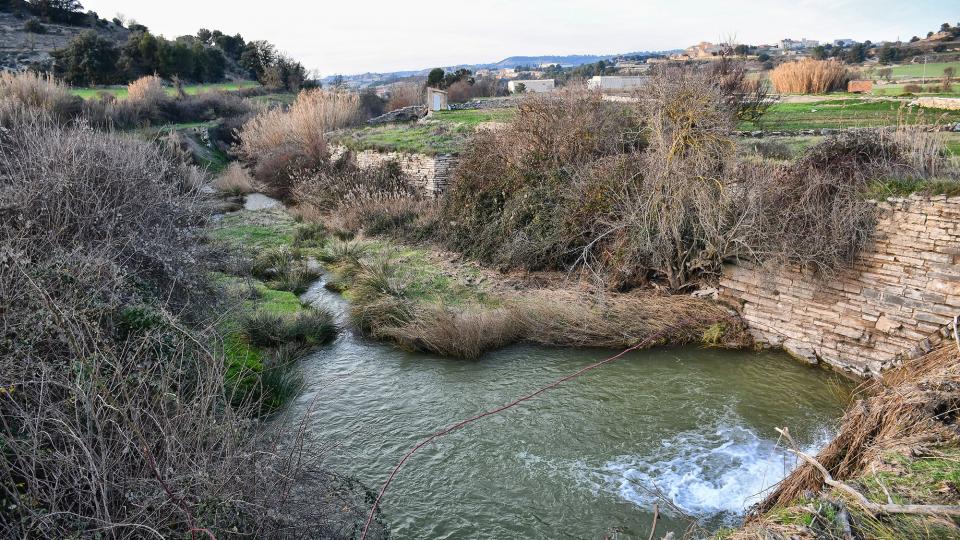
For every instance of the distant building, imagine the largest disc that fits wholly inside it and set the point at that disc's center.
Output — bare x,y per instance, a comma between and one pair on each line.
532,85
616,83
632,68
843,42
704,49
794,45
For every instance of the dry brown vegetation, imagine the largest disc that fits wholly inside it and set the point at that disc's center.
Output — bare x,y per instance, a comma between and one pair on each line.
463,90
405,95
654,191
235,180
115,419
279,144
148,90
386,305
895,456
809,76
149,106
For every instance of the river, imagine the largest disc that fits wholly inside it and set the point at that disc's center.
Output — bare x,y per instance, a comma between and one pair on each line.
581,461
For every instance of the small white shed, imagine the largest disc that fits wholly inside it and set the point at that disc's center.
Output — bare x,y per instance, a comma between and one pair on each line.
531,85
437,100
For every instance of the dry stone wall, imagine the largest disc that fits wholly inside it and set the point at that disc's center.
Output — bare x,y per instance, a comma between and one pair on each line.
895,302
952,104
431,174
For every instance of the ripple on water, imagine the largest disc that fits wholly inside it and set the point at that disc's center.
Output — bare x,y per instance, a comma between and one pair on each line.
712,475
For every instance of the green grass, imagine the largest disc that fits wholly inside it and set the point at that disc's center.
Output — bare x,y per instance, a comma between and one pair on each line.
883,189
847,113
120,92
445,132
240,231
474,117
933,70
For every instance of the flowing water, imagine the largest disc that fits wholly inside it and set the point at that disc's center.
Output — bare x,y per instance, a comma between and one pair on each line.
585,460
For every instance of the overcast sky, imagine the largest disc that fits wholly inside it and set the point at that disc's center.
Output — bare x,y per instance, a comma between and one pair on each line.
354,36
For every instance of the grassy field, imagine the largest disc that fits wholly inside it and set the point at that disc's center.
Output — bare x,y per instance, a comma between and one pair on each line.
933,69
847,113
445,132
120,92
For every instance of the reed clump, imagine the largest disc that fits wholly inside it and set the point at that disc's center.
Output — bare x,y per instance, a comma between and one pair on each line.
278,143
809,76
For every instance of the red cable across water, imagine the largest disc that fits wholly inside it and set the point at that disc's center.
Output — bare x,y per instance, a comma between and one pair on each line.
458,425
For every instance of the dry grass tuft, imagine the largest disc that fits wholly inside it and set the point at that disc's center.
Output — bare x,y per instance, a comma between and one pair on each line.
909,410
235,180
569,319
809,76
33,91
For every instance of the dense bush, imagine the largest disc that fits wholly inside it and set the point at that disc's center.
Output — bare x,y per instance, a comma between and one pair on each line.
114,412
375,200
657,192
88,59
510,202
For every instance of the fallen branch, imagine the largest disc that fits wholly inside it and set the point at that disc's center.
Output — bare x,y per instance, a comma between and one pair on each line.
866,504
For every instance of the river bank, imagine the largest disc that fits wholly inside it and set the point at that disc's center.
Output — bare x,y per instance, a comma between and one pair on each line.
422,298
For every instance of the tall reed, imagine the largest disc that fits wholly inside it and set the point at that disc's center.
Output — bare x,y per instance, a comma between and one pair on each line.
809,76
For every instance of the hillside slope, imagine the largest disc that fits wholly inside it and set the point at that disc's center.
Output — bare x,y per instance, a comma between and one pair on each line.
20,49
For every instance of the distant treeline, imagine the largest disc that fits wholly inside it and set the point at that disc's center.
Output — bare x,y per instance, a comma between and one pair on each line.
91,58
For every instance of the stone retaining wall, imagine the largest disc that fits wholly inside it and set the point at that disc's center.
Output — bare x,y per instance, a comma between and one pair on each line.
952,104
895,302
431,174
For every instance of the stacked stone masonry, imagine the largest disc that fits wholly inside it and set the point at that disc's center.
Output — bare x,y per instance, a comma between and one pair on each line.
431,174
895,302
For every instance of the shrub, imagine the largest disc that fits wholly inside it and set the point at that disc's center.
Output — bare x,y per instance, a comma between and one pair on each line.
88,59
115,415
810,76
405,95
312,326
465,90
310,235
280,143
148,92
912,88
42,93
284,270
264,329
34,26
511,201
771,149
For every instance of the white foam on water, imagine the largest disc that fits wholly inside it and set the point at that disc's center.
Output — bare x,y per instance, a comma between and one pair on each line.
707,474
